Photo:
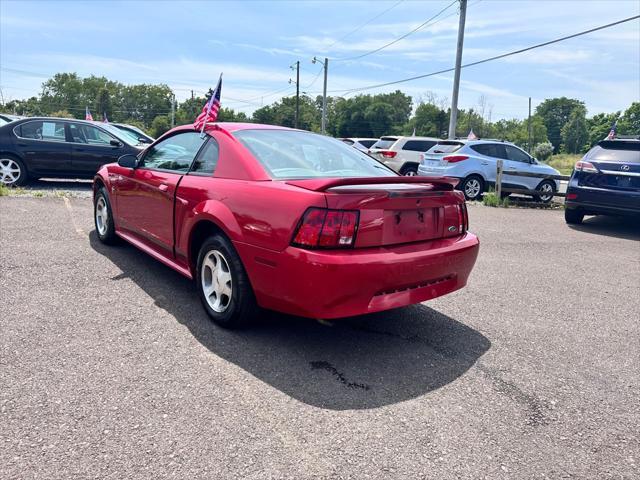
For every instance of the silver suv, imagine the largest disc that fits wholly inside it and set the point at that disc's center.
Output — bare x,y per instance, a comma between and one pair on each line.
474,162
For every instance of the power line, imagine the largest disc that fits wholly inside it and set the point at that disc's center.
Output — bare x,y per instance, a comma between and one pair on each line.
497,57
422,25
357,29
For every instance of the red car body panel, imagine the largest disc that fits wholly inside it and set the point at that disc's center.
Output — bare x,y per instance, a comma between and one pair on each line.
408,247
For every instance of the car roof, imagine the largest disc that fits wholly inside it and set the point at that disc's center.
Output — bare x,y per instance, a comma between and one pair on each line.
231,127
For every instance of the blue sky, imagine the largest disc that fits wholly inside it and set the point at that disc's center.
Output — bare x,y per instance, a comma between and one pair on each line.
187,44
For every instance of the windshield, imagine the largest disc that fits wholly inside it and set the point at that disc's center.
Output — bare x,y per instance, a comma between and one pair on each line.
289,154
384,142
125,136
612,151
445,147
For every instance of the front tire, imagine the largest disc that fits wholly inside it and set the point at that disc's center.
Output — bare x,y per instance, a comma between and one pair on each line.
223,284
472,187
573,216
547,188
13,172
103,217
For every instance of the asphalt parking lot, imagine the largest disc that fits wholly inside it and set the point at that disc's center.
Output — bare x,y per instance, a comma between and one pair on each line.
109,367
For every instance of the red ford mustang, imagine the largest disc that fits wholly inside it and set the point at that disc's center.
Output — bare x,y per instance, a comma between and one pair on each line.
288,220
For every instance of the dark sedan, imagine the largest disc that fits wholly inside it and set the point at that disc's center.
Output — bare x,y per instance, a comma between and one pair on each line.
605,182
59,147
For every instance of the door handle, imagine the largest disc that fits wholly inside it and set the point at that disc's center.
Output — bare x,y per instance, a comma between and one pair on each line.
163,187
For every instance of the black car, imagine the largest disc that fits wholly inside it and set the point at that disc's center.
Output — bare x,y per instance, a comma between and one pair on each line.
59,147
605,182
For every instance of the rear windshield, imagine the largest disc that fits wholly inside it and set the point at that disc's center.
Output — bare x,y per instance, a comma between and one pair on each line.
627,152
385,142
367,143
289,154
445,147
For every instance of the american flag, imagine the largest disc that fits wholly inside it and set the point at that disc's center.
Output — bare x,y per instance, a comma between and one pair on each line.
87,114
471,136
613,131
210,110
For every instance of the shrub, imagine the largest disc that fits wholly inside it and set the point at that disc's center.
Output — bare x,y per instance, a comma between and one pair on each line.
543,151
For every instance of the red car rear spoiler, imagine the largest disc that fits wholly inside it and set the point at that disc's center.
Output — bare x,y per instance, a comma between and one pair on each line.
324,184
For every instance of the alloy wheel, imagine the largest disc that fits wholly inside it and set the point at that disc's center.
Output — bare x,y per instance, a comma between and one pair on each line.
472,188
9,171
102,215
216,281
547,192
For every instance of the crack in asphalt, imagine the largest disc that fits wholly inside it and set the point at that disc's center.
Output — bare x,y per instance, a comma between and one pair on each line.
322,365
536,408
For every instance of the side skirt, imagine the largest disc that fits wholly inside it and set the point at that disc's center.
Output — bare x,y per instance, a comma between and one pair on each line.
158,256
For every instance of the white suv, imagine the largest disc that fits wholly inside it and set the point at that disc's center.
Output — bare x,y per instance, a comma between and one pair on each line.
402,154
362,144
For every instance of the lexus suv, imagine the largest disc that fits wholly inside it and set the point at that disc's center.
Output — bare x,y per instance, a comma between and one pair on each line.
474,164
401,154
606,181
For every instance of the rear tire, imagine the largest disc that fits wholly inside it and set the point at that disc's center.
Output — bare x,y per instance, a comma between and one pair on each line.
223,285
472,187
409,170
573,216
13,172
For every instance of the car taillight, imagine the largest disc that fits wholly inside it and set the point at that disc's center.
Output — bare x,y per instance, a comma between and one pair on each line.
388,153
454,158
582,166
463,218
322,228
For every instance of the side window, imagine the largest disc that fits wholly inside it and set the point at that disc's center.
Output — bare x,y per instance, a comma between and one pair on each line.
90,135
418,145
173,153
493,150
516,154
42,130
207,159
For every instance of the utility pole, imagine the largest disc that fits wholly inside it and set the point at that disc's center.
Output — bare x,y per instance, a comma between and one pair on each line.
191,94
324,96
173,110
297,66
456,78
529,127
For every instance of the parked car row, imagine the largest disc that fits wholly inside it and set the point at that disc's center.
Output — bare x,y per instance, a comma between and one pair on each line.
36,147
472,162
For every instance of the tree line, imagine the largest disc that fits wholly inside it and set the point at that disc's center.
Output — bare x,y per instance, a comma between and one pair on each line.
562,122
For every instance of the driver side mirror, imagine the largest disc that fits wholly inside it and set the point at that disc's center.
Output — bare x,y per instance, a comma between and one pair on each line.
128,161
144,140
115,143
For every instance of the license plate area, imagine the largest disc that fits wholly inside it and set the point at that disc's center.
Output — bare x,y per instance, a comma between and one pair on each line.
404,226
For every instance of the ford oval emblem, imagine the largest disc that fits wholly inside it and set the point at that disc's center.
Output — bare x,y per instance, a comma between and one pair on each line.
452,228
625,168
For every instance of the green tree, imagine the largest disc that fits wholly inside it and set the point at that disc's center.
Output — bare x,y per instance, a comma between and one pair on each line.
555,113
599,126
159,125
574,133
380,116
630,122
103,104
429,121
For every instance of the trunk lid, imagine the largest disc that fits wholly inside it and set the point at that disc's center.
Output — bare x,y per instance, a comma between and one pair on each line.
395,210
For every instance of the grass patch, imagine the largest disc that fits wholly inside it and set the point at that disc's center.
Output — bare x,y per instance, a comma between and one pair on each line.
564,162
491,199
4,190
38,194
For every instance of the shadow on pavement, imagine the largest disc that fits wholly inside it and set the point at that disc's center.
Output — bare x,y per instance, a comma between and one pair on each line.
59,184
358,363
622,227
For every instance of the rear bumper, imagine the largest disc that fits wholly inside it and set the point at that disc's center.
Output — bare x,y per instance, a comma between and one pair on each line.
342,283
600,201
